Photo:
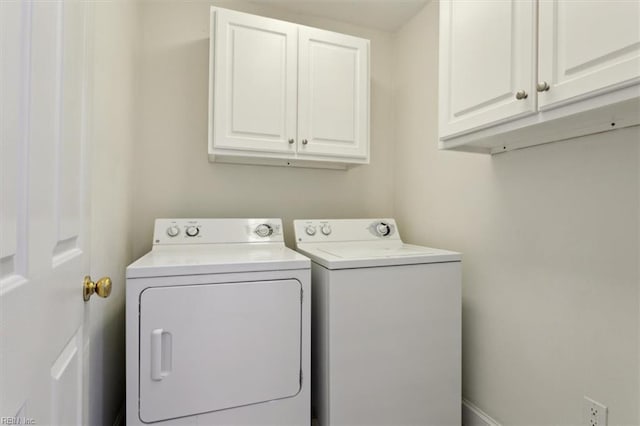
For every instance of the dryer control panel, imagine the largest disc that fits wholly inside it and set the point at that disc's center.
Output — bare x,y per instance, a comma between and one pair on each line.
336,230
216,231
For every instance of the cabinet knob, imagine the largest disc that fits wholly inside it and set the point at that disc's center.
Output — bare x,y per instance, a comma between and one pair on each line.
521,94
542,86
304,141
291,141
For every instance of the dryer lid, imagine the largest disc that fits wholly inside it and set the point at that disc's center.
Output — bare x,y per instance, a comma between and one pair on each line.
215,246
166,261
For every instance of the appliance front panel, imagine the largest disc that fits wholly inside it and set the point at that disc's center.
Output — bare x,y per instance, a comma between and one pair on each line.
212,347
390,337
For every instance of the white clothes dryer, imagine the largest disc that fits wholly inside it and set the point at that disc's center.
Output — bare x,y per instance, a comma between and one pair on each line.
218,326
386,325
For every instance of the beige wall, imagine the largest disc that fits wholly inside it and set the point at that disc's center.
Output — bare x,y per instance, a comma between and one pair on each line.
550,242
549,234
114,118
173,177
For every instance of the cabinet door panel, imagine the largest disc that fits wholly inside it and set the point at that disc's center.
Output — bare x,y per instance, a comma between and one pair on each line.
587,47
333,112
254,90
487,54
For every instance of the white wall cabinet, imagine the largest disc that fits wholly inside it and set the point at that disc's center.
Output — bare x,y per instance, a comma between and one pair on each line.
487,58
524,72
286,94
333,94
254,78
587,46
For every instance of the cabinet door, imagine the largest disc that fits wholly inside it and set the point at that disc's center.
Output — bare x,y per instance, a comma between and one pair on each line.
587,47
333,102
487,55
254,83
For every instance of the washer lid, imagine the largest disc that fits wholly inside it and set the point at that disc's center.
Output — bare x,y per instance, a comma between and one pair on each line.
371,254
164,261
359,252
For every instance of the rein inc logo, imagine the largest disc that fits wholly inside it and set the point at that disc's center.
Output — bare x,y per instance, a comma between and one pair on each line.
17,421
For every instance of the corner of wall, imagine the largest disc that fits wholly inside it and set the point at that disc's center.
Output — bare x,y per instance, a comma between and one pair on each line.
474,416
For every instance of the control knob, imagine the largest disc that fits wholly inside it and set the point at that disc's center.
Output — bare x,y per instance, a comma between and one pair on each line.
173,231
326,229
310,230
192,231
383,229
264,230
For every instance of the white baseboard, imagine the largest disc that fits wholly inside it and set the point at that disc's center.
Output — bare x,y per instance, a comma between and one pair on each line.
471,416
474,416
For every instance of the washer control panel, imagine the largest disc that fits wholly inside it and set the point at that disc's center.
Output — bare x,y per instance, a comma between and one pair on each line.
216,231
335,230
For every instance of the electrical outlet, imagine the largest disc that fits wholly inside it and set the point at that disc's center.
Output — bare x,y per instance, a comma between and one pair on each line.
594,413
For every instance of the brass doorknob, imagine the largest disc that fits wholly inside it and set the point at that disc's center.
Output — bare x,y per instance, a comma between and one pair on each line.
102,288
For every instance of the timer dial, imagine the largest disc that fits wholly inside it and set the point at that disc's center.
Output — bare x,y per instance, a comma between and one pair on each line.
383,229
173,231
264,230
192,231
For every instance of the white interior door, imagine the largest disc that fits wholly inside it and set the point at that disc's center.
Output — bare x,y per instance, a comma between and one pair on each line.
333,87
44,241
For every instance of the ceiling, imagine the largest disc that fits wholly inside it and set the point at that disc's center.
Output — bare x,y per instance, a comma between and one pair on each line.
385,15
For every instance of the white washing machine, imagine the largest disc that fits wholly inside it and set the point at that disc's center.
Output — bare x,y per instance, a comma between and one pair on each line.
218,326
386,326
